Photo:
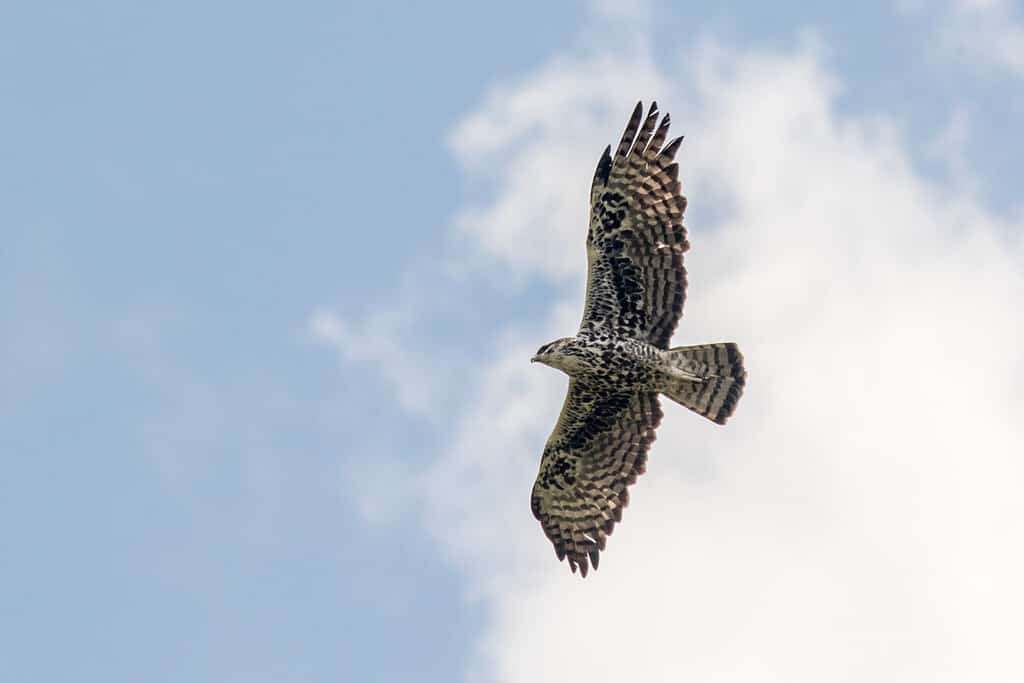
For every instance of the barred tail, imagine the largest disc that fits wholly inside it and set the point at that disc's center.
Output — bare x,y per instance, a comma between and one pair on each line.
708,379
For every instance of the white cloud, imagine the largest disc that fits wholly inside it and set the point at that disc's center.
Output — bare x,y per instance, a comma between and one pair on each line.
377,343
859,518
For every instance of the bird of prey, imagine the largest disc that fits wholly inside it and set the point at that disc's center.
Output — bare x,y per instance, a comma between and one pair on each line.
620,361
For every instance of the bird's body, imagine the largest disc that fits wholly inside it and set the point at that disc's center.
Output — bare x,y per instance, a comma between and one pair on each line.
607,361
619,361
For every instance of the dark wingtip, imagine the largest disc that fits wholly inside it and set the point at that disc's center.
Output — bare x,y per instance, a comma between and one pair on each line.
604,166
638,112
672,147
626,141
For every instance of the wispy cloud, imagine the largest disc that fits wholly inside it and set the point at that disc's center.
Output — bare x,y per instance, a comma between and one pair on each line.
984,33
377,343
991,30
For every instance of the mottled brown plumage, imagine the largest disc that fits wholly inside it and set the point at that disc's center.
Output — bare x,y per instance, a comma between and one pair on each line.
619,360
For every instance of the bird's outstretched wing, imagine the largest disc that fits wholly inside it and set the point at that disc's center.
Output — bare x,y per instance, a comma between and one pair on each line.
636,282
596,451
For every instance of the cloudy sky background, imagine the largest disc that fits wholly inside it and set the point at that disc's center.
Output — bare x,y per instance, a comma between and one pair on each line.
271,278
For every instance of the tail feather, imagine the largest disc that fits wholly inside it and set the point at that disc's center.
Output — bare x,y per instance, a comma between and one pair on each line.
708,379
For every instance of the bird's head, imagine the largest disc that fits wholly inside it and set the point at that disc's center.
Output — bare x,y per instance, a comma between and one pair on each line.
559,354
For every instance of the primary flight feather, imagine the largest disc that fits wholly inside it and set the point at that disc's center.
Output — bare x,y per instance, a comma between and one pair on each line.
619,361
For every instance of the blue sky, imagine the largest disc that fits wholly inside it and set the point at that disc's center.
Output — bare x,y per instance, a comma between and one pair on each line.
270,277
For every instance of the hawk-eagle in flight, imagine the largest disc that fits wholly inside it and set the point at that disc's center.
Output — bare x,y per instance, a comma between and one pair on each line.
619,361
